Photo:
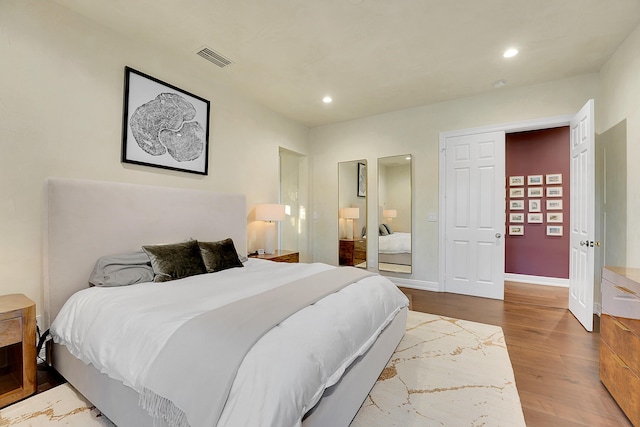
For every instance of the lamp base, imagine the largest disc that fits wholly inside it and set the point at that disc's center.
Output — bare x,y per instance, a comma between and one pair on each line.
270,238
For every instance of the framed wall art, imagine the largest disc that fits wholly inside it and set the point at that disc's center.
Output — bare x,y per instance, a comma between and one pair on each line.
534,218
554,217
554,191
554,205
516,192
554,230
516,180
516,230
534,205
534,180
554,178
362,180
534,191
516,205
164,126
516,217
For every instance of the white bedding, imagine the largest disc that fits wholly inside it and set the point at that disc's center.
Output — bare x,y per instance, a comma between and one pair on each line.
120,330
395,243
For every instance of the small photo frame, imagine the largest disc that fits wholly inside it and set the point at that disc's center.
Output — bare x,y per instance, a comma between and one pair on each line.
516,230
554,205
554,217
534,218
535,205
534,180
516,180
534,192
554,191
516,217
554,230
516,192
516,205
554,178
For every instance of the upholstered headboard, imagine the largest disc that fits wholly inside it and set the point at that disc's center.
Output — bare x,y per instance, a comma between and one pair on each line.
85,220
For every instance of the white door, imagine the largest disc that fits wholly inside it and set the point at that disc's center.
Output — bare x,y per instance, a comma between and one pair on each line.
581,263
475,214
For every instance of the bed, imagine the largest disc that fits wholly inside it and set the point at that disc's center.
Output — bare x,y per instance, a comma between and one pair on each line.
85,220
395,248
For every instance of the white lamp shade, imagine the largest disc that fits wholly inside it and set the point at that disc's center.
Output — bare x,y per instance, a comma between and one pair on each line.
270,212
351,213
389,213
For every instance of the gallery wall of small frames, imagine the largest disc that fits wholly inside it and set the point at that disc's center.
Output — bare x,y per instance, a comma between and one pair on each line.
527,195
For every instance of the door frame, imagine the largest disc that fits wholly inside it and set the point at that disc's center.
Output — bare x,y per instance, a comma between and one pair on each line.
521,126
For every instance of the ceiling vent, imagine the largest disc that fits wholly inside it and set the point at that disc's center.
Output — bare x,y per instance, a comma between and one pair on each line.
213,56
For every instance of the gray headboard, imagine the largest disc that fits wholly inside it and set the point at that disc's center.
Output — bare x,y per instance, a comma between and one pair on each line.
88,219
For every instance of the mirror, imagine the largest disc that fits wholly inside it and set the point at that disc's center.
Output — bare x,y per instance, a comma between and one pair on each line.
352,213
394,214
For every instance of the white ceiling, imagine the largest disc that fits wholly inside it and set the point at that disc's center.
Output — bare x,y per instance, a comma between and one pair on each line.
375,56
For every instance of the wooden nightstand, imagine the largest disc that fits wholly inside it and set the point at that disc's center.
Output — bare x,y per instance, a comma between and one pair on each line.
17,348
352,251
280,256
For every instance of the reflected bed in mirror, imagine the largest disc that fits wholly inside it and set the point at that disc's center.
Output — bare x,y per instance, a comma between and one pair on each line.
394,211
352,214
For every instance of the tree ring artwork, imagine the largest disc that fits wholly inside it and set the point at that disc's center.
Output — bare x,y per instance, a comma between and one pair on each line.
164,126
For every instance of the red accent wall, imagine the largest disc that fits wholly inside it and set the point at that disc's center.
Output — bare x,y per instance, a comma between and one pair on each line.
535,253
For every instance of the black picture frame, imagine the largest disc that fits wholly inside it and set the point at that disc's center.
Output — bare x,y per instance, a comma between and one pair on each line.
362,180
164,126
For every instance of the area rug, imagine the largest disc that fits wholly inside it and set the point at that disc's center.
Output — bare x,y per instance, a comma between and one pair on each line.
445,372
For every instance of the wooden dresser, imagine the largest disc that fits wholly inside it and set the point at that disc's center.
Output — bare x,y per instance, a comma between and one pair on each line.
352,251
17,348
279,256
620,338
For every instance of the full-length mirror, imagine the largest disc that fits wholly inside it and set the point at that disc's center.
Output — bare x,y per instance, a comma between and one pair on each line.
394,214
352,213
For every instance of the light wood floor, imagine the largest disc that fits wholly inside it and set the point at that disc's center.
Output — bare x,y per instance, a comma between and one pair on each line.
555,361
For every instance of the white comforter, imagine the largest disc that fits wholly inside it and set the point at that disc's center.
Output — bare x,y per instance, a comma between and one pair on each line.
120,330
396,243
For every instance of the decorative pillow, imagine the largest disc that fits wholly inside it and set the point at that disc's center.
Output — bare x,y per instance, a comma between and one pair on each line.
218,256
175,261
389,229
382,230
364,231
122,270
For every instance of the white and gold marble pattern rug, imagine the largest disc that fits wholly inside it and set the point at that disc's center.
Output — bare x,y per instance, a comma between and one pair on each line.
445,372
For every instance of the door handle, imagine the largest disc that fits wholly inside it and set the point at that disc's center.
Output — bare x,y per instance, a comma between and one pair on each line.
498,235
583,243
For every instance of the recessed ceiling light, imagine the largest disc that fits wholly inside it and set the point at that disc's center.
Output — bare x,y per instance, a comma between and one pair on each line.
509,53
499,83
327,100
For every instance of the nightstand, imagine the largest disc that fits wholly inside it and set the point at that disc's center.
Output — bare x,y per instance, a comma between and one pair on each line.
17,348
352,251
280,256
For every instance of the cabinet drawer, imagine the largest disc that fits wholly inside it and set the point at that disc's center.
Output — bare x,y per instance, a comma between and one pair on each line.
622,340
360,245
622,383
623,303
10,331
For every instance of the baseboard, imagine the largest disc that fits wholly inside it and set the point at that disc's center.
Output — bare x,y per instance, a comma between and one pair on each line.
537,280
415,284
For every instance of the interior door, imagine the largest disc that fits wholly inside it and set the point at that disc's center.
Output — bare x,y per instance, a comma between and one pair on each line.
581,263
475,214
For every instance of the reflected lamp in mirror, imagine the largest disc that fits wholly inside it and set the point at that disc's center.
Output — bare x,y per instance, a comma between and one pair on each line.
270,213
389,214
350,214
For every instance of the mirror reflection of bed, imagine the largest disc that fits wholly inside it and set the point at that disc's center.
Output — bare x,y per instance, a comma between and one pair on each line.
394,213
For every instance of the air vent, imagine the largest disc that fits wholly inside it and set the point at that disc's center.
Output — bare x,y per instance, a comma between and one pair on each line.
213,56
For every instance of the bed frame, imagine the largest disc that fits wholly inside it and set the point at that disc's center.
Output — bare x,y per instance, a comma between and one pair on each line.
88,219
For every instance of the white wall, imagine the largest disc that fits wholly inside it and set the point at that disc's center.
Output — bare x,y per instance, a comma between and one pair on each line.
61,98
620,100
416,131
